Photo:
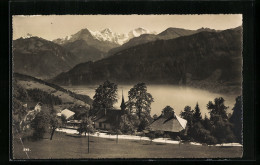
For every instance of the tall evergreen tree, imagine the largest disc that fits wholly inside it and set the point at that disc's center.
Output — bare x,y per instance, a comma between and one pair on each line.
197,115
188,115
206,123
221,127
236,119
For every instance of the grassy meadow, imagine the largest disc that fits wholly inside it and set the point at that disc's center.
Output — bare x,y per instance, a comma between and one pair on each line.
66,146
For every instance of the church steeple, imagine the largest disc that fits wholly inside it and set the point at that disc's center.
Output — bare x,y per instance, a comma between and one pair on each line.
123,106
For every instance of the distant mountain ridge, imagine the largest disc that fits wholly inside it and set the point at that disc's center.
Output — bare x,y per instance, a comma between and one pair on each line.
169,33
105,35
45,59
41,58
209,58
86,35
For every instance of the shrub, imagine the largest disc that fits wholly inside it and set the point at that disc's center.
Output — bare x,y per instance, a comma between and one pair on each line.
151,136
158,134
211,140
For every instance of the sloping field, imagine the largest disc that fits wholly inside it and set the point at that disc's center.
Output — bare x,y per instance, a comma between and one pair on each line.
65,146
65,95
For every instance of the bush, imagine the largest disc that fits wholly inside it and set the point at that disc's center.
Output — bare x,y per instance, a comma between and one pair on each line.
128,123
211,140
151,136
158,134
178,138
40,124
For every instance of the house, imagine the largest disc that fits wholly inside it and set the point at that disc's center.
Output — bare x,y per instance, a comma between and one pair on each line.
34,108
68,114
171,124
73,124
109,118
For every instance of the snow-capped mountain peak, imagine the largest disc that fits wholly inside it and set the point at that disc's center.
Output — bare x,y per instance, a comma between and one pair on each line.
107,31
108,35
137,32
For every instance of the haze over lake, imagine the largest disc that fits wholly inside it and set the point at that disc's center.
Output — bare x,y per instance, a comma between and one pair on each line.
174,96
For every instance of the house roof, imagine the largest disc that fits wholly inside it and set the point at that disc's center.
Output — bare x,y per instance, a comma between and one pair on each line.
172,124
67,113
110,117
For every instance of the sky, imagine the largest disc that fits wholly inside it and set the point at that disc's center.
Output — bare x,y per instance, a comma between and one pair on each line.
51,27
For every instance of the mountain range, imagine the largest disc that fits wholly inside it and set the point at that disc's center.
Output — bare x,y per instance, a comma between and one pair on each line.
200,58
208,59
105,35
41,58
169,33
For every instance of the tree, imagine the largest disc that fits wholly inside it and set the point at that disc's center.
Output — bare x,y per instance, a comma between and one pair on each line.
221,129
188,115
105,96
197,115
117,132
200,134
86,126
206,123
217,108
143,123
18,112
237,118
155,117
40,124
168,111
139,99
220,126
128,123
54,124
63,119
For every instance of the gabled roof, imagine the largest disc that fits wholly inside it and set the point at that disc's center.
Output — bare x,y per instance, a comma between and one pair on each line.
109,117
172,124
67,113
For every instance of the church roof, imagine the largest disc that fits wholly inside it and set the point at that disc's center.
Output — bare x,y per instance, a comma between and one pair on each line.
171,124
109,117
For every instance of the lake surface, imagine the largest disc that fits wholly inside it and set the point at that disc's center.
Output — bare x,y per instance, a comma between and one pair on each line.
174,96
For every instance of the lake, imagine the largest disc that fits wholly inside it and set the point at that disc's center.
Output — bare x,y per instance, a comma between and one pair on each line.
174,96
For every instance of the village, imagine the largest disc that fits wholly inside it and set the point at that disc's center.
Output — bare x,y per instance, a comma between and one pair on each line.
127,86
128,122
